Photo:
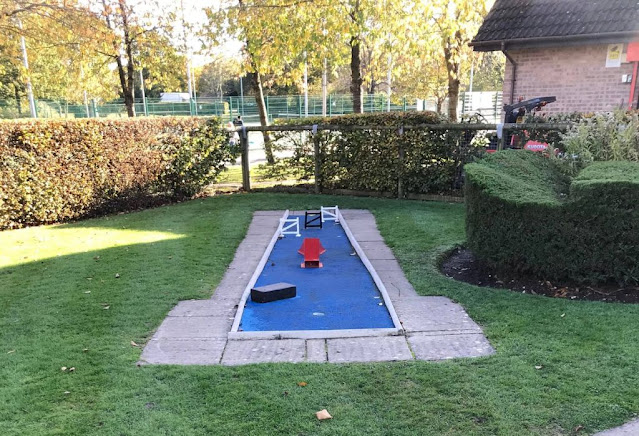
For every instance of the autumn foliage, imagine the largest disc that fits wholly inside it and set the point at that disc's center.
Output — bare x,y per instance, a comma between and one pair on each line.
51,171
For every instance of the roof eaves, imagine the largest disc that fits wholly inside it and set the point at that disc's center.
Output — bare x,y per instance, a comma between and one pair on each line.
595,38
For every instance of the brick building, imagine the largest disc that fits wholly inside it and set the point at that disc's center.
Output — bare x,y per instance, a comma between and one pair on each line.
576,50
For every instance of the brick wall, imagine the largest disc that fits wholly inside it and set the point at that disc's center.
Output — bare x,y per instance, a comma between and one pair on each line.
577,76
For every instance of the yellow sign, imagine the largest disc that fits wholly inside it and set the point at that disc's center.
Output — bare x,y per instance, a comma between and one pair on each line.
613,58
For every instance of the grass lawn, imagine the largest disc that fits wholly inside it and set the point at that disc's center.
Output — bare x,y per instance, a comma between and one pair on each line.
62,305
259,174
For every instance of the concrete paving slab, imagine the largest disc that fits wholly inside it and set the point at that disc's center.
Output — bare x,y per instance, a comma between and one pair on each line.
262,351
441,347
372,245
203,308
363,236
389,265
230,292
178,327
422,314
628,429
245,261
362,223
372,349
379,254
397,285
183,351
316,350
275,213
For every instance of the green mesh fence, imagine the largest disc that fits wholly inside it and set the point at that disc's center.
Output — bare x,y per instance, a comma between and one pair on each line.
291,106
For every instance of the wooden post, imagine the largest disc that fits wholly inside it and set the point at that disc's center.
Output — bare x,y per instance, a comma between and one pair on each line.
502,140
318,163
246,172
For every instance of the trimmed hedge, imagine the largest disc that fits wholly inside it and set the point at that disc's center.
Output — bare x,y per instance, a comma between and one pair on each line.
524,214
430,162
51,171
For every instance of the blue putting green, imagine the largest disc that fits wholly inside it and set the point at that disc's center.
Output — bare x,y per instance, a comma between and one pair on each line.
341,295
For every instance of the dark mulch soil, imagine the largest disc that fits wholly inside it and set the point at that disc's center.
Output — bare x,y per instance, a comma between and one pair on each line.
462,265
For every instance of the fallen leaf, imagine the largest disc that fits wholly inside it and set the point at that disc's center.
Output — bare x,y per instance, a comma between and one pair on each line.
64,368
538,366
134,344
563,314
579,428
117,276
11,351
323,414
302,384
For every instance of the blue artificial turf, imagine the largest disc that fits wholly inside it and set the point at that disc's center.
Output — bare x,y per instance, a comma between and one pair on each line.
341,295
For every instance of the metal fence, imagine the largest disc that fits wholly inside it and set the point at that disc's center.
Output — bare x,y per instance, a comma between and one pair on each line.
292,106
278,107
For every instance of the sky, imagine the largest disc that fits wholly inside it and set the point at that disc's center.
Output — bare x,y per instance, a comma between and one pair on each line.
195,16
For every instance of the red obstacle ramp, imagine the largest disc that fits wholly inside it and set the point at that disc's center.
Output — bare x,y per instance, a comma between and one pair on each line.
311,249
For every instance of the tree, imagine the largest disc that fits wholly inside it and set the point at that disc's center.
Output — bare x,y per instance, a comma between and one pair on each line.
270,31
489,71
218,77
135,36
57,35
457,22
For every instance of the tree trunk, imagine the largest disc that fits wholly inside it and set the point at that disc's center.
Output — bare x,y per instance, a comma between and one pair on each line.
123,85
452,68
356,76
129,89
453,98
16,93
261,108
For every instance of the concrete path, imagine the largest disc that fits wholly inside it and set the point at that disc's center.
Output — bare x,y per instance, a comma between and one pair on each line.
628,429
196,332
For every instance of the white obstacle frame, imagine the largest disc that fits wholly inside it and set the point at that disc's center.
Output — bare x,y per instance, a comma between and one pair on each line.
289,226
330,213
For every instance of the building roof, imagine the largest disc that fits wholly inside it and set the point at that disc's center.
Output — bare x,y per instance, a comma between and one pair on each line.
521,23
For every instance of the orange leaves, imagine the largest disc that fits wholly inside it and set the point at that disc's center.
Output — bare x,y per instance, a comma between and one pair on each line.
57,170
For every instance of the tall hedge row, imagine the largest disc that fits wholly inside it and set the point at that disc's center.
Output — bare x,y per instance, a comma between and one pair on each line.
523,214
425,161
52,171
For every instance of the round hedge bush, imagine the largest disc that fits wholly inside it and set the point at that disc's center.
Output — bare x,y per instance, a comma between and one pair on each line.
525,215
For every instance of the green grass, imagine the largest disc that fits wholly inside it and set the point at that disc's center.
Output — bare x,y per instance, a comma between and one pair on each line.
589,355
259,174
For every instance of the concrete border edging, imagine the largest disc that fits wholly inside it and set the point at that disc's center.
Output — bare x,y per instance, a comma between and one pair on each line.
198,332
256,275
372,272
